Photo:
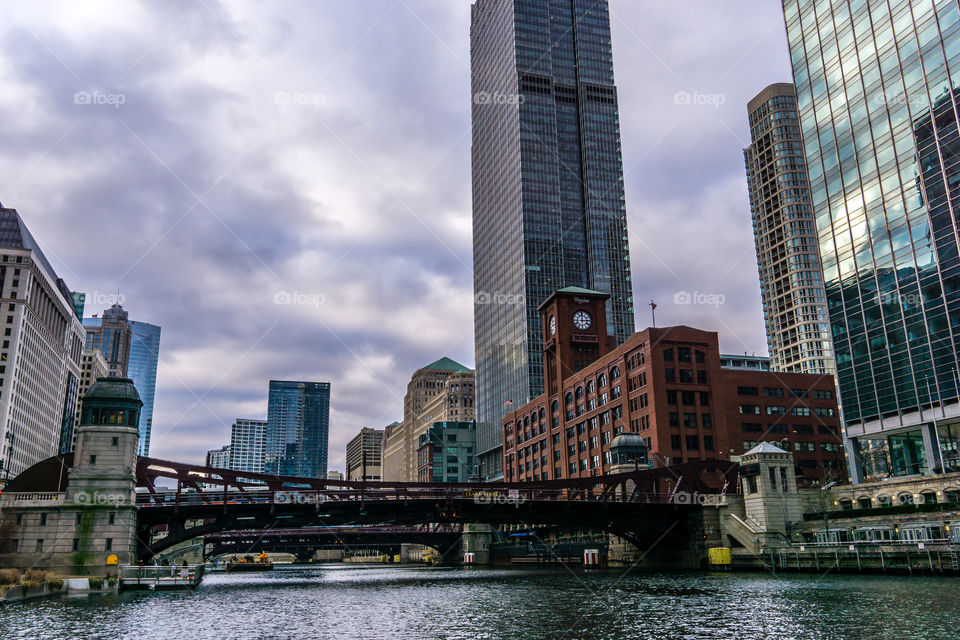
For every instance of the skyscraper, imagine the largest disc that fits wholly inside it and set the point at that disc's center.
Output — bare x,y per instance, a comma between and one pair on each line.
40,354
441,391
112,334
298,424
142,369
248,442
877,101
788,259
364,455
548,199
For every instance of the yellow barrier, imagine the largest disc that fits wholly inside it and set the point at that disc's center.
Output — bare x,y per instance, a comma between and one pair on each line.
720,557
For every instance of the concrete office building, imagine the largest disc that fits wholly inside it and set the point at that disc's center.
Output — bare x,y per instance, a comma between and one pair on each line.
40,354
92,367
365,455
439,392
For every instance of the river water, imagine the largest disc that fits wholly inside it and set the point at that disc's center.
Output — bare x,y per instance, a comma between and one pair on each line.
372,602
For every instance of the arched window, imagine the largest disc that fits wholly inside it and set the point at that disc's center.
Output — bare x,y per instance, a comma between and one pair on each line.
615,373
543,413
526,421
904,498
602,380
533,417
579,392
882,500
590,387
555,406
569,398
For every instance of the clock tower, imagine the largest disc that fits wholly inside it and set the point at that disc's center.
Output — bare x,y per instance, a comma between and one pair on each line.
574,322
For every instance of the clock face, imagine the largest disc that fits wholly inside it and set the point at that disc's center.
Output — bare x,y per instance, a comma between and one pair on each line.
553,325
582,320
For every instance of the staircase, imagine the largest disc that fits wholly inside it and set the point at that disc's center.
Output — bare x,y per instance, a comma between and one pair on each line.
744,533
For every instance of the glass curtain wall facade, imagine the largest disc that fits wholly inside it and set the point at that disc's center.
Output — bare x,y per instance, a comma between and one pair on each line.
298,426
876,85
548,199
788,259
144,356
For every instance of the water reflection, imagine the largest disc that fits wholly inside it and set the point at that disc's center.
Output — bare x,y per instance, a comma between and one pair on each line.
414,602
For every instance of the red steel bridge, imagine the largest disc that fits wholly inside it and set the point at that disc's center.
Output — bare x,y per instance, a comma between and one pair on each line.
181,501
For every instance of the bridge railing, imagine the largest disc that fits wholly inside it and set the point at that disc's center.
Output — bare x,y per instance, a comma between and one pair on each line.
478,496
19,498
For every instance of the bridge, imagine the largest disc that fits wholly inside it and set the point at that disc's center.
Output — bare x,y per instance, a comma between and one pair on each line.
178,501
303,542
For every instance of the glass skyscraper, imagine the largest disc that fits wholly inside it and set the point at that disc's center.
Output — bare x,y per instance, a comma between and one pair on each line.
548,196
142,369
877,99
298,425
788,260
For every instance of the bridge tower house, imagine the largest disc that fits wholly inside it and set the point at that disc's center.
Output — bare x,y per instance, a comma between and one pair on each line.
769,488
102,481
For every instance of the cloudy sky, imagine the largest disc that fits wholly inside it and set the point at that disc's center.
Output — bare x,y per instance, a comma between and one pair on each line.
284,187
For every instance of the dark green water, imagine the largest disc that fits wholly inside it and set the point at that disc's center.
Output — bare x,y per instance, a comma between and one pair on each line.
400,602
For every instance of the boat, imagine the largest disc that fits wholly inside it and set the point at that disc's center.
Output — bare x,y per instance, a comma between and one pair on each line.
248,563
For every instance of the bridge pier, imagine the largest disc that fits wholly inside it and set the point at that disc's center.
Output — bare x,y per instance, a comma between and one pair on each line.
476,540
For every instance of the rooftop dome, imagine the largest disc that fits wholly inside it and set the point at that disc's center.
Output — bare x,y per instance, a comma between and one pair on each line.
629,440
113,389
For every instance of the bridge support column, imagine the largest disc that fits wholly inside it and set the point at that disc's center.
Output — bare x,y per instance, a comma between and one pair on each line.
476,540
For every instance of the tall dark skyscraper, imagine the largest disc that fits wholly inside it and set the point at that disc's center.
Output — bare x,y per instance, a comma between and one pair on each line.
298,426
548,199
877,100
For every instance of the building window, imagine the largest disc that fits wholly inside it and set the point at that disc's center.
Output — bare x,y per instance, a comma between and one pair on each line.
671,396
675,442
109,544
76,544
747,391
670,375
693,443
690,420
40,545
674,419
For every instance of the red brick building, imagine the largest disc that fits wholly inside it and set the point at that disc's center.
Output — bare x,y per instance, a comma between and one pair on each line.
667,385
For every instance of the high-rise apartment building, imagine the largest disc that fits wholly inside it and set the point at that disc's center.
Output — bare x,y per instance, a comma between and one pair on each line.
219,458
877,102
142,369
40,354
112,333
442,391
364,455
788,258
92,366
298,425
548,196
248,443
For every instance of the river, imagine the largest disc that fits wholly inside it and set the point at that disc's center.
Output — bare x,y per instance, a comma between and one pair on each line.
372,602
